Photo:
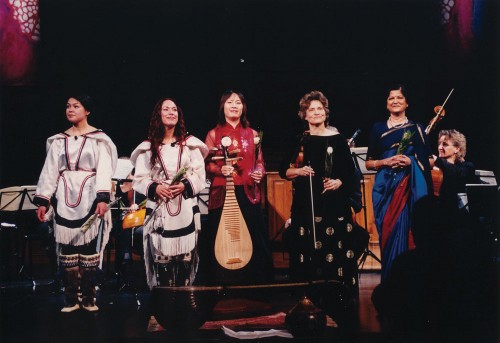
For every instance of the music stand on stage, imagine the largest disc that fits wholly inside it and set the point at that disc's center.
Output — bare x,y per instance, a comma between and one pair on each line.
482,202
18,198
14,201
121,175
359,154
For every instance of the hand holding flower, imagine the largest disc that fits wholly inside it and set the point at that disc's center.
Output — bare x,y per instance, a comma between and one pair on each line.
226,170
163,192
256,176
401,161
397,161
331,185
101,209
40,213
328,161
176,189
257,142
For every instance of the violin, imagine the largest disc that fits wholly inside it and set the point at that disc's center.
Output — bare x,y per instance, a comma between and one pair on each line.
436,173
440,112
299,159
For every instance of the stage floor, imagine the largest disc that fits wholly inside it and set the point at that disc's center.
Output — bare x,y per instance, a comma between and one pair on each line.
30,312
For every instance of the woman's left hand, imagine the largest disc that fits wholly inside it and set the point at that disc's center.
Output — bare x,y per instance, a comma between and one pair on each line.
400,161
133,208
175,190
331,185
102,207
256,176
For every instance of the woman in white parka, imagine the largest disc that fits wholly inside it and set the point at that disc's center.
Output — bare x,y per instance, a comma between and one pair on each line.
76,182
170,171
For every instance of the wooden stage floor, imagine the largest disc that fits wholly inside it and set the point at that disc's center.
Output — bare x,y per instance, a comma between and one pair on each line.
30,312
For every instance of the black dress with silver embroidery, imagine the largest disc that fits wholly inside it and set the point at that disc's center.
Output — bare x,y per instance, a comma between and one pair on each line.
325,250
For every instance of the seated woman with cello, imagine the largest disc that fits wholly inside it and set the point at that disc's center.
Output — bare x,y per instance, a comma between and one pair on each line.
456,172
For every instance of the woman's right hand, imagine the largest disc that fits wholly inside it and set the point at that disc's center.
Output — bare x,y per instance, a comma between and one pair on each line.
163,192
40,213
226,170
304,171
396,161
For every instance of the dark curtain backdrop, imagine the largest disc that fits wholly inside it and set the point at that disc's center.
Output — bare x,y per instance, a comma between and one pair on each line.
127,54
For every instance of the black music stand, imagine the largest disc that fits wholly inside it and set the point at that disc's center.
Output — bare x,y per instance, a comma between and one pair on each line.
18,198
482,201
123,173
119,194
121,279
14,202
357,153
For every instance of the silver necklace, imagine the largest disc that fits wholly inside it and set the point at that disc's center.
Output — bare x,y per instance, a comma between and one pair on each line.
398,125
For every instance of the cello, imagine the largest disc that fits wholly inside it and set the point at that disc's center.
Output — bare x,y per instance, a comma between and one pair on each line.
233,243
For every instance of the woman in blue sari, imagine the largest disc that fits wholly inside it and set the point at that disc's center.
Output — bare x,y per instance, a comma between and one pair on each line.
399,151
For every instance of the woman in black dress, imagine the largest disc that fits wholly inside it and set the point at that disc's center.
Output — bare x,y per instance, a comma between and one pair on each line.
457,172
320,238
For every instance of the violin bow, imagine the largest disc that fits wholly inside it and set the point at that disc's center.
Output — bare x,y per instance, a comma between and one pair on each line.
312,209
438,115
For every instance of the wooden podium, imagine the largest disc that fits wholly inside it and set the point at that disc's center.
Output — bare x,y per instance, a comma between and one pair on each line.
369,179
279,202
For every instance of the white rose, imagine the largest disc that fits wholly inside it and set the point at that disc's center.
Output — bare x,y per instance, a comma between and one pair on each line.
226,141
329,150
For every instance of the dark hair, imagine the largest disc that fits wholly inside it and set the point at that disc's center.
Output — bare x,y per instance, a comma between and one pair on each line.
226,95
397,87
306,100
157,129
84,99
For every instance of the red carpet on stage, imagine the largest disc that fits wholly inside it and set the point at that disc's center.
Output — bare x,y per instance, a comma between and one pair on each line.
273,321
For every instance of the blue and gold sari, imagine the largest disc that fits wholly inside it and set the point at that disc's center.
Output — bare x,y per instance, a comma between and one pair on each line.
396,190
